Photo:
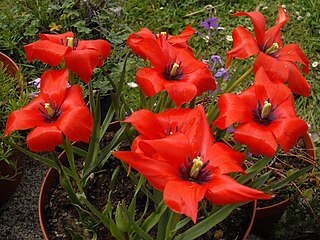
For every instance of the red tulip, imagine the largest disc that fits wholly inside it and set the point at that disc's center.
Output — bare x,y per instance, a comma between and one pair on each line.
56,110
184,163
80,56
180,41
191,122
174,70
279,63
266,116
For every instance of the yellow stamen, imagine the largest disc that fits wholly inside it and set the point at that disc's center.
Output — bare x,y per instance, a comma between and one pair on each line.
174,69
49,109
274,46
70,42
195,169
266,109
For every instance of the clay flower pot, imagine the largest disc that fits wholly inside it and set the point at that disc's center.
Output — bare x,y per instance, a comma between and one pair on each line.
11,66
268,215
8,187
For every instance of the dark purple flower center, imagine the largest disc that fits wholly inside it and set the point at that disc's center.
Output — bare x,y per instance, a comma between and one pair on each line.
173,71
50,111
192,171
264,115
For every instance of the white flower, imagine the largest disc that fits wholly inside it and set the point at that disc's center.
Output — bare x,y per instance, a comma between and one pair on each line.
229,38
283,6
315,64
132,84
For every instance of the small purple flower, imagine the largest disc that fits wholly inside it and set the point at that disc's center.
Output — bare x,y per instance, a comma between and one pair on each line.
222,72
210,23
230,129
216,59
35,82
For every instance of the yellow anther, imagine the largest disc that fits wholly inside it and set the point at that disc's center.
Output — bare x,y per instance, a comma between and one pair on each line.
266,109
70,42
196,166
174,69
49,109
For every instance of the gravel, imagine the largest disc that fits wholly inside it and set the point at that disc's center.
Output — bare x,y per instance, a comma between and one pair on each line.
19,216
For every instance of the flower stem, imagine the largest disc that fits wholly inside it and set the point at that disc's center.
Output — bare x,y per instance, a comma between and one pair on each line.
238,81
72,80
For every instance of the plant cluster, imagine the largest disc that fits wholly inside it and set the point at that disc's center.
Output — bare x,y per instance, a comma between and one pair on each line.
191,136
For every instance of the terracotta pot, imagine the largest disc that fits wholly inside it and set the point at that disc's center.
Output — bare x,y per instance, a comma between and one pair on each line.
250,225
267,216
11,66
8,187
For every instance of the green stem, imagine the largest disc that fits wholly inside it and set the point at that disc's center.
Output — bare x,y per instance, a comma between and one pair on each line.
65,181
91,98
71,76
174,218
238,81
70,156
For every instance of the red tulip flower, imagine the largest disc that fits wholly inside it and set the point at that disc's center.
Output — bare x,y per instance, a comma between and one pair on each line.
80,56
174,70
266,116
185,175
57,110
279,63
180,41
191,122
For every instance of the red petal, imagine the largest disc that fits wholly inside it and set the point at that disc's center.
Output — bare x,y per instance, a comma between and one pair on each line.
25,118
244,45
236,108
46,51
225,190
135,38
82,62
73,98
157,172
180,92
224,159
158,56
146,123
44,138
273,34
150,80
259,24
183,197
296,82
54,85
76,124
57,38
293,53
266,89
258,138
275,69
287,131
102,46
178,144
75,115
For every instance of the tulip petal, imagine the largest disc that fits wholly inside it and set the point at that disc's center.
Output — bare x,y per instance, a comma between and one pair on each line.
54,85
287,131
44,138
244,45
183,197
57,38
259,24
46,51
180,92
146,123
236,108
82,62
275,69
296,82
225,190
158,173
259,139
150,81
224,159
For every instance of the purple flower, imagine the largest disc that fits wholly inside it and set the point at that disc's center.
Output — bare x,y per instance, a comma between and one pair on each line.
222,72
216,59
210,23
